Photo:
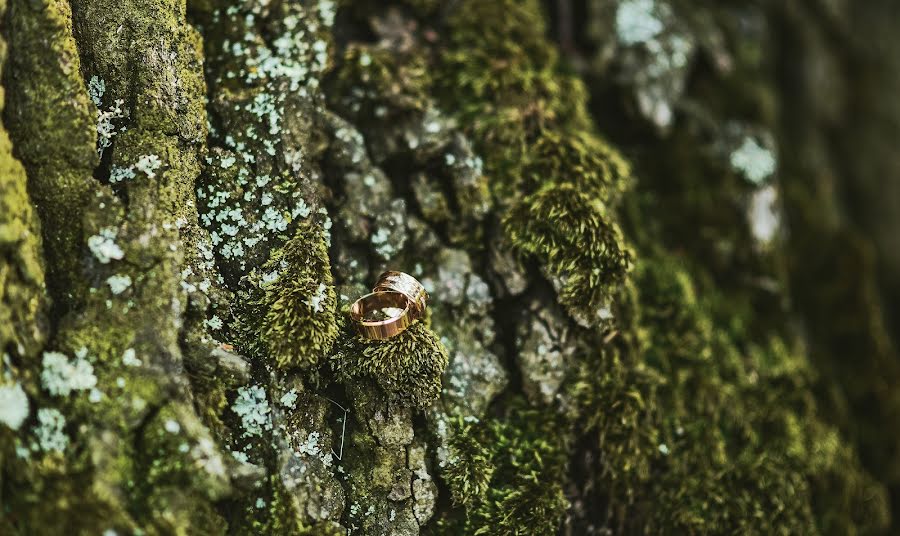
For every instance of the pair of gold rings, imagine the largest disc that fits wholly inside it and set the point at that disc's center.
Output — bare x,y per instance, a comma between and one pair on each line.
396,301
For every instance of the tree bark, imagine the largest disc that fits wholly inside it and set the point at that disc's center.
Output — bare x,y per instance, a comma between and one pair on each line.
660,256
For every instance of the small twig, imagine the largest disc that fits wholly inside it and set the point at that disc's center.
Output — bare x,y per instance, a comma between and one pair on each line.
340,456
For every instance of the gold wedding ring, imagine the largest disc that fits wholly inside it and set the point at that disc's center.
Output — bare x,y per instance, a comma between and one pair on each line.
397,301
381,315
407,285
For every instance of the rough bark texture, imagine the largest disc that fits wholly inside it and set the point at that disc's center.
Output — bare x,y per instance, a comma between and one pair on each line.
660,239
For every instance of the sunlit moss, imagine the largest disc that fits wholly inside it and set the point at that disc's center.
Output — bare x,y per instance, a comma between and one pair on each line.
573,235
579,158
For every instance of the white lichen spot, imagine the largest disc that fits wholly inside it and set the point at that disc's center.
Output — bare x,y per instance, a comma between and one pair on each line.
253,409
327,11
119,174
96,89
301,209
260,503
148,164
637,22
61,376
289,399
13,405
49,432
311,446
172,426
268,278
664,449
755,162
215,322
104,246
105,128
129,358
317,301
240,456
763,213
118,283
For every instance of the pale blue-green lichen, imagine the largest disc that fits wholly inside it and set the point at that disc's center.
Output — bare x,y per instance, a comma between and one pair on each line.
49,433
637,21
252,406
754,161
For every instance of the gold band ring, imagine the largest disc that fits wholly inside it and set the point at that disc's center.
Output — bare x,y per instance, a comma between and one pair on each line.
381,314
407,285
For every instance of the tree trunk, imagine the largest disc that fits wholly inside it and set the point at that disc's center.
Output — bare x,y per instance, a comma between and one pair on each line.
659,239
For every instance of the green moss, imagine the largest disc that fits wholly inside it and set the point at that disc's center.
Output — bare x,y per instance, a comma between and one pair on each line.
22,295
522,492
575,238
468,468
53,126
502,79
407,368
376,83
616,397
294,315
734,415
578,158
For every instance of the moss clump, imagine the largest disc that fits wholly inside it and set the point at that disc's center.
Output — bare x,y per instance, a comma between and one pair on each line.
500,76
575,238
293,302
556,179
407,367
579,158
508,472
616,398
468,468
735,415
